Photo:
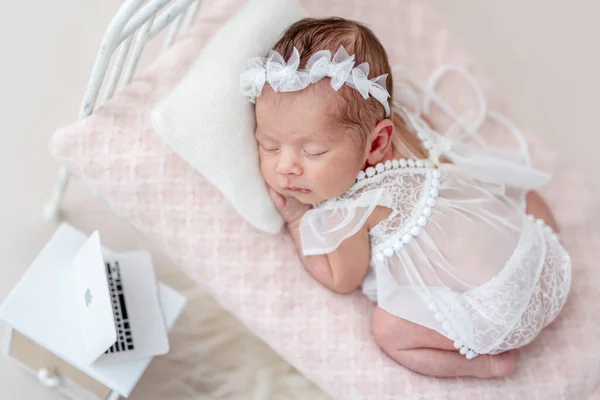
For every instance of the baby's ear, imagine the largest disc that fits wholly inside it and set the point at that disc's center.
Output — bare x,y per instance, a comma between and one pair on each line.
380,141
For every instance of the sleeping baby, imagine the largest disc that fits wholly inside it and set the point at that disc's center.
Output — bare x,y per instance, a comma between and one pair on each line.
455,248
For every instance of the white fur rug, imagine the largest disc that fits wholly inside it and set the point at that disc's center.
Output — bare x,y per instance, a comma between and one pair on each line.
213,356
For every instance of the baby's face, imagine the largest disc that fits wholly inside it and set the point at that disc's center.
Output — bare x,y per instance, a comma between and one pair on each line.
303,152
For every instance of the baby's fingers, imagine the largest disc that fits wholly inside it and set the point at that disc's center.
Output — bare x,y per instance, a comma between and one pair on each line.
278,199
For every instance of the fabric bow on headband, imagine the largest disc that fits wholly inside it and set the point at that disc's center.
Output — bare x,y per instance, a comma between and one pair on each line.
320,65
286,77
375,87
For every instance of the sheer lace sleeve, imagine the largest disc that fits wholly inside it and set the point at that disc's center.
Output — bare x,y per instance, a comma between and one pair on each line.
324,228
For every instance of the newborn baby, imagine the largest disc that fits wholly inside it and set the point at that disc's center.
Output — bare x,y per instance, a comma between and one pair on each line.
456,250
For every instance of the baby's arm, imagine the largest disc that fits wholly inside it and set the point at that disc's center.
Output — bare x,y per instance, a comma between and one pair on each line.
342,270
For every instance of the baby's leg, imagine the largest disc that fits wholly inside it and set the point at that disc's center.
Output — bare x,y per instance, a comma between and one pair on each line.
427,352
537,207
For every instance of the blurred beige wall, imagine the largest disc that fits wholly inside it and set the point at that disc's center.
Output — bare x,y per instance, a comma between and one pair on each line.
545,57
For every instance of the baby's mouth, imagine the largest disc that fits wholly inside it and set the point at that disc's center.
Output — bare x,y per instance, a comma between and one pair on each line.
297,190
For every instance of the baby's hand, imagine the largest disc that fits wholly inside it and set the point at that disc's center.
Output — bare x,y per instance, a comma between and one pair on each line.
290,209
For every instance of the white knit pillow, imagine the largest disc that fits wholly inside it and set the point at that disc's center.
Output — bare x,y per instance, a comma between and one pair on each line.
210,124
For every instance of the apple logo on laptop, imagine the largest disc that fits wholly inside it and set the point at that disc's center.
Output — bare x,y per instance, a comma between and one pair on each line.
88,297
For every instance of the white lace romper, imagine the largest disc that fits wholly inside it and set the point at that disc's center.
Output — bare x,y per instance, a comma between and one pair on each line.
457,254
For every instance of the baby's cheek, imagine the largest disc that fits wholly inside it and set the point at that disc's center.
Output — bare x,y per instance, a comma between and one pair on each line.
338,184
262,165
267,170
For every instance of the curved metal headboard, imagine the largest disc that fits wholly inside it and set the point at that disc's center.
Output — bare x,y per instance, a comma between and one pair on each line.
152,18
126,36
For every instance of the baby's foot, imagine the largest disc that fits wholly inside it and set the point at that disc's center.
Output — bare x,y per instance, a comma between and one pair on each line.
499,365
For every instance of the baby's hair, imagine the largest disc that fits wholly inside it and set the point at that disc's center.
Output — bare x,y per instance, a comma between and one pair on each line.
310,35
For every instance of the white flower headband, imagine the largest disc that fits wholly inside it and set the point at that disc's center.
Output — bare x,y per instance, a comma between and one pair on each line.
286,77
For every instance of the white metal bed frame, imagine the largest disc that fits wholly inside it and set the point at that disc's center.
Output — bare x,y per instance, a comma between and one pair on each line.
126,36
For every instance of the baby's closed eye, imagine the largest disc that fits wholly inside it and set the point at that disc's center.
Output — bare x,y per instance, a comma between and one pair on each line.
314,150
268,147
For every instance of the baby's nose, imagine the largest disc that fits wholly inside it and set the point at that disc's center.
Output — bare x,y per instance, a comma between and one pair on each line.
288,165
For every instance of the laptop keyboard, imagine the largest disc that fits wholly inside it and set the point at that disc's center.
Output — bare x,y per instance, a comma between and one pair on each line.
124,337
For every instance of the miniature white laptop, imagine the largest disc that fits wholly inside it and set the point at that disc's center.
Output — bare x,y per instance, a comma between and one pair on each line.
44,307
118,304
